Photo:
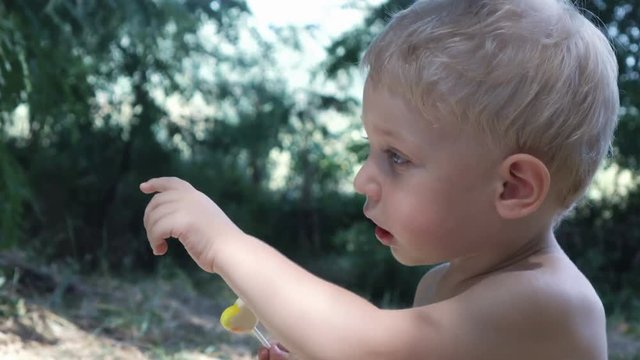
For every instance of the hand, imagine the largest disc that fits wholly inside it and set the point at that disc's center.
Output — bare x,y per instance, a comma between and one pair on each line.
275,352
180,211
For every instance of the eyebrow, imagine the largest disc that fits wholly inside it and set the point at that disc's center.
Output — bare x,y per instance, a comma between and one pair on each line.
383,131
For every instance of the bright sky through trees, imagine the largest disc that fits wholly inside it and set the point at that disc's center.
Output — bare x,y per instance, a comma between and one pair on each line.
332,16
329,18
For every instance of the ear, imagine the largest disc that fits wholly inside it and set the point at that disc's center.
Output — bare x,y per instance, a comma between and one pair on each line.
524,186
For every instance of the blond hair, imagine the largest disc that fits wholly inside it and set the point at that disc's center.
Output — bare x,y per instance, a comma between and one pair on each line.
533,76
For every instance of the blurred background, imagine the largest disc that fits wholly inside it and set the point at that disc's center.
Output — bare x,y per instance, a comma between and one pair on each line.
256,103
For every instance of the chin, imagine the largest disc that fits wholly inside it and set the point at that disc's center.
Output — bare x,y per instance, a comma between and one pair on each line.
408,260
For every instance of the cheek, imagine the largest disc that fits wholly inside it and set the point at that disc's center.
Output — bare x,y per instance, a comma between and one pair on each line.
422,218
435,202
440,220
425,237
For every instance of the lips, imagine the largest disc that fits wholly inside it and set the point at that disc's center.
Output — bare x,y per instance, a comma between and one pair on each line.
383,236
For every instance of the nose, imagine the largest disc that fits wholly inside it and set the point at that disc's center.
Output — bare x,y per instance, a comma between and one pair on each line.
366,183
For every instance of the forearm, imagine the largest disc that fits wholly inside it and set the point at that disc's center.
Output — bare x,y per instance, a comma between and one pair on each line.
314,318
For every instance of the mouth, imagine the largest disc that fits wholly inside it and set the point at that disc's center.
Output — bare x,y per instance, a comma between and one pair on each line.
384,236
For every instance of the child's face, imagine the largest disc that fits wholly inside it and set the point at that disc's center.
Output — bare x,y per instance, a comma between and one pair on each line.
430,189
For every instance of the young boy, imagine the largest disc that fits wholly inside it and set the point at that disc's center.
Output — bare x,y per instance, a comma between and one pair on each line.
486,121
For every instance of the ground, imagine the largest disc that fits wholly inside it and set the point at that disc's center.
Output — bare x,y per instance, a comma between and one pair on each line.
51,312
166,315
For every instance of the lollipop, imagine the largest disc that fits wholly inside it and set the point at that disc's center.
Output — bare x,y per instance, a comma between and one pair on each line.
239,319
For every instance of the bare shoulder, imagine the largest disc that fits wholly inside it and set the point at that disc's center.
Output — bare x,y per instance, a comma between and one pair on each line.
542,309
425,291
548,310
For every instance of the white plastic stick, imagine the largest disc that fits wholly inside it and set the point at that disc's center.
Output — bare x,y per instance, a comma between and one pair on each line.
259,336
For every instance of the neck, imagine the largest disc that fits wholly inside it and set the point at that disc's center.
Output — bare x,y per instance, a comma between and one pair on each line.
513,254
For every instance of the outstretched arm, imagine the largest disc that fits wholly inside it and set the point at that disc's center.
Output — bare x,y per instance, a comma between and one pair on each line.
313,318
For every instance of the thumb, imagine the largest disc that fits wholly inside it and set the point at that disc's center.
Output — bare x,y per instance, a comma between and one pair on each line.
263,354
163,184
278,352
145,187
275,352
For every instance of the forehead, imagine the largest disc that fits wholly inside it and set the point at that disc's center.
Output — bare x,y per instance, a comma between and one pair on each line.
388,117
387,113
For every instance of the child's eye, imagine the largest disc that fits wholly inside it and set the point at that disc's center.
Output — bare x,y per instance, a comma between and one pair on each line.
396,158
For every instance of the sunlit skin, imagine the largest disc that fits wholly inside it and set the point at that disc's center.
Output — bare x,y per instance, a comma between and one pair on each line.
437,195
422,181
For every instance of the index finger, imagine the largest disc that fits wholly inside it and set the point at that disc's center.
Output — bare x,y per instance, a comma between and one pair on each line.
162,184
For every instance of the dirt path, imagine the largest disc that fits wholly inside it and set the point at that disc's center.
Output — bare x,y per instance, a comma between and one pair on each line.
42,334
165,316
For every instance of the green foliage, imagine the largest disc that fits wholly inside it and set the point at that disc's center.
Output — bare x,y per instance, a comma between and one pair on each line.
360,263
624,357
11,305
14,195
602,238
345,52
620,19
96,85
98,79
93,124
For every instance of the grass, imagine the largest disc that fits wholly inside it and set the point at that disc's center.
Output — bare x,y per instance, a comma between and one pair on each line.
172,314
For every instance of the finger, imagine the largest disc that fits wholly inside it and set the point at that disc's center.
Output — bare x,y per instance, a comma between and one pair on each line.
161,248
158,201
164,222
158,235
263,354
161,213
163,184
277,352
158,245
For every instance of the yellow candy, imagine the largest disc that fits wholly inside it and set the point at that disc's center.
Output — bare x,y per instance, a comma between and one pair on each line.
238,318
